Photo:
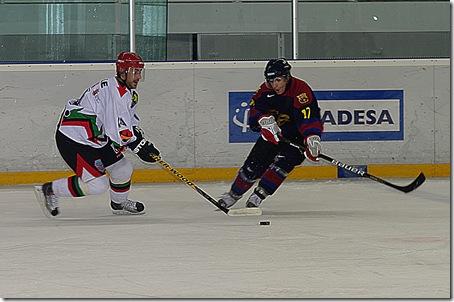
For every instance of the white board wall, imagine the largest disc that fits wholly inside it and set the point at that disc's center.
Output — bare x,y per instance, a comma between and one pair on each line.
184,109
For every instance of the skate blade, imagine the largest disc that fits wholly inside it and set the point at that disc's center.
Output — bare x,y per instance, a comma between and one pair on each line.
245,212
39,198
126,213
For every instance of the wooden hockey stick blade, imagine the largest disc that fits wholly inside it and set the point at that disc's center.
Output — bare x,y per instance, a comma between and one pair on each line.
245,212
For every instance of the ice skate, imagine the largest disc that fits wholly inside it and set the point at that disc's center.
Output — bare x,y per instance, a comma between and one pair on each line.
254,201
129,207
47,199
228,199
256,198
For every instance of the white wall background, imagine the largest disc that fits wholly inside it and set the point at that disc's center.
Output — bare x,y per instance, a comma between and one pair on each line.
184,109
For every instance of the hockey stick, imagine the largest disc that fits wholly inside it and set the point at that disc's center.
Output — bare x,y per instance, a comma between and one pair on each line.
231,212
408,188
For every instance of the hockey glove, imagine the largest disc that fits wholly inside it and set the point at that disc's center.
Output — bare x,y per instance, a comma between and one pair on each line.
145,150
142,147
269,131
313,147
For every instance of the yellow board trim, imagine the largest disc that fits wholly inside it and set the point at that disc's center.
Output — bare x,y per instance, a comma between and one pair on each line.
227,174
410,170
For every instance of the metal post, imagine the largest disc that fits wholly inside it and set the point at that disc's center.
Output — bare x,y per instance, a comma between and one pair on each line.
295,29
280,45
132,26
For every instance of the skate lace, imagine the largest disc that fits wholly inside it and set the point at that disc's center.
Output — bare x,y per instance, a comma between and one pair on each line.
255,200
52,201
231,196
129,205
226,196
228,200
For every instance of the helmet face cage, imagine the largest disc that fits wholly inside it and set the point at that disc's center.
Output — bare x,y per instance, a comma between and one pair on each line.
277,68
130,62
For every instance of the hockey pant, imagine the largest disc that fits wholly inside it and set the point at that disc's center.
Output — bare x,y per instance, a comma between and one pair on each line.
268,162
90,166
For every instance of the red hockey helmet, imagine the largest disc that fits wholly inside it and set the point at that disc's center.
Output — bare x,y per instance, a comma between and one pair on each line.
127,60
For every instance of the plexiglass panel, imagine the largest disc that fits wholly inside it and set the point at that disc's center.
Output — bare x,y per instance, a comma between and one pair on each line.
69,31
175,30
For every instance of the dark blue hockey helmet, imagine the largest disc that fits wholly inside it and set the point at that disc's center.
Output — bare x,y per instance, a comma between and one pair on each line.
277,68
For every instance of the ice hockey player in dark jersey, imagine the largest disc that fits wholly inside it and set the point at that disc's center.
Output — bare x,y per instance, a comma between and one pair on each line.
93,133
283,108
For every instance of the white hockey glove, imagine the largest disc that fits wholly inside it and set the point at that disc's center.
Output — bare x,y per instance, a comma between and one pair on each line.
269,131
313,147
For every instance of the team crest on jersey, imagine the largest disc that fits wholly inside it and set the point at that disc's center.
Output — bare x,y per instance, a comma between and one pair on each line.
302,98
134,99
281,118
100,166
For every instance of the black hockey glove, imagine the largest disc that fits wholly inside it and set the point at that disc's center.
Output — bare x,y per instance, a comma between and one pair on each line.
142,147
145,150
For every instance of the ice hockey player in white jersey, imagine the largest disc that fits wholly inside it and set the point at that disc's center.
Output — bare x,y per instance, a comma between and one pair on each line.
93,133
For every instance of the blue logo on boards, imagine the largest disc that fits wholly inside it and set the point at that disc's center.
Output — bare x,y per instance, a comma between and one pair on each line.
347,115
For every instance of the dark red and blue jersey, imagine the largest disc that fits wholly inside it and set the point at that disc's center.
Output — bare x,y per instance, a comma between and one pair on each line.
296,110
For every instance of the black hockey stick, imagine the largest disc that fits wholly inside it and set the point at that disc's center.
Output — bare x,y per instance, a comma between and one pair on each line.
231,212
408,188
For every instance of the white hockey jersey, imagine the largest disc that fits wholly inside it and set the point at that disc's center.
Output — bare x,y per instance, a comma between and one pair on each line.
105,110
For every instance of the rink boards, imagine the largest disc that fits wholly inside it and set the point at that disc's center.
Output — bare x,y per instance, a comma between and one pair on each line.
227,174
391,117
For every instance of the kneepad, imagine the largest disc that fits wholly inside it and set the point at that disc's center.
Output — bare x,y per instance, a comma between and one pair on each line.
95,186
121,171
288,158
248,174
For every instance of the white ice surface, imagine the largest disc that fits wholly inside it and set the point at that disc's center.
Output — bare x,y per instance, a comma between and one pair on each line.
335,239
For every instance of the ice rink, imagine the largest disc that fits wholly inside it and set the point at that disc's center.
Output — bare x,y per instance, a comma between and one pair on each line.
327,239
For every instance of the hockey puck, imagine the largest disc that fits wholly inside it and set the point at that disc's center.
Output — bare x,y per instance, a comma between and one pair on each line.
264,222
